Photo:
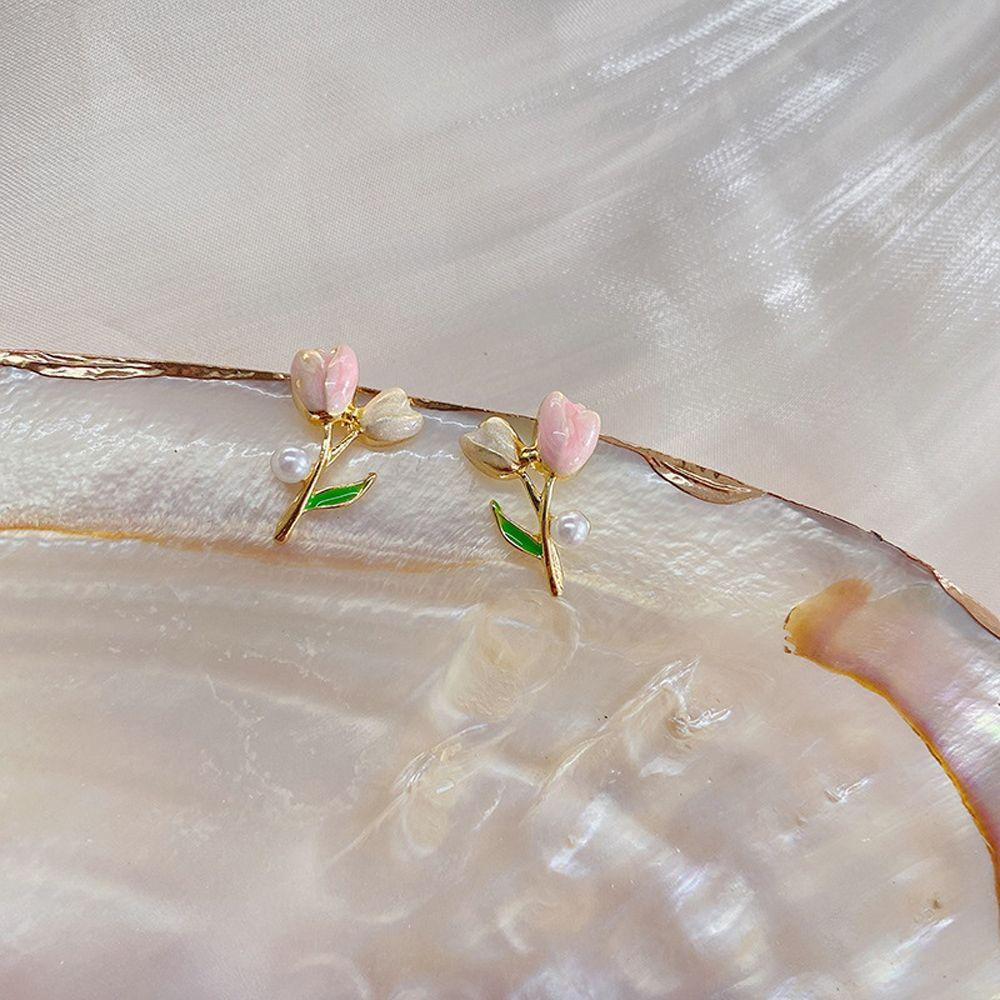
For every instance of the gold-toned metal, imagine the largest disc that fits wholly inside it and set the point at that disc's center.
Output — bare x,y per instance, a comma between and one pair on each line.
527,461
550,554
324,387
328,454
533,494
78,366
540,502
696,480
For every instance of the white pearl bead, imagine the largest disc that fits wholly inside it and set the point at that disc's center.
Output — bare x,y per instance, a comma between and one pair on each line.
571,528
291,464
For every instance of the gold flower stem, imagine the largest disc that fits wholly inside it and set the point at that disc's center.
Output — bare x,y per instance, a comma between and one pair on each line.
327,456
536,500
550,554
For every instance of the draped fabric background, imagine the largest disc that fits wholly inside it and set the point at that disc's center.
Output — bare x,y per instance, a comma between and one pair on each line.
760,234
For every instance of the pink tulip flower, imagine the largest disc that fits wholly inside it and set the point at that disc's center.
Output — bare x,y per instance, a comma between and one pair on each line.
323,382
567,434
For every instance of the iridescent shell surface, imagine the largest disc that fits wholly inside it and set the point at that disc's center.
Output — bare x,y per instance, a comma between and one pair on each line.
382,761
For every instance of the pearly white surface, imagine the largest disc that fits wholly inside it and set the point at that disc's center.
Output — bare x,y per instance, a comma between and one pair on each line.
290,464
761,234
381,761
571,528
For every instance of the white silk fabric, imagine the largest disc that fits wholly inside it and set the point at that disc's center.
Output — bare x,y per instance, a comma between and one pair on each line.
759,234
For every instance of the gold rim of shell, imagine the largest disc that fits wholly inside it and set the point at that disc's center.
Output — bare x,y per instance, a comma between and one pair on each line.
696,480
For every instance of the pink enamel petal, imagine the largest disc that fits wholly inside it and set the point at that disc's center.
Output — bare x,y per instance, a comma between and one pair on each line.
587,433
567,434
341,380
308,375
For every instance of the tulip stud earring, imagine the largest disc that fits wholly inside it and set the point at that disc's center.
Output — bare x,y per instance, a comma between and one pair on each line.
565,437
323,386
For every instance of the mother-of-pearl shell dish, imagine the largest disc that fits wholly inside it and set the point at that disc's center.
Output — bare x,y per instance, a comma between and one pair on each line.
382,761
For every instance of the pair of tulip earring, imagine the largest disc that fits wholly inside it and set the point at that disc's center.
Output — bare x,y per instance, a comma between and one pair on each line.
324,384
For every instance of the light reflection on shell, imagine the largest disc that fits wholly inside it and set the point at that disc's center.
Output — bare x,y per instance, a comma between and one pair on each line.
383,761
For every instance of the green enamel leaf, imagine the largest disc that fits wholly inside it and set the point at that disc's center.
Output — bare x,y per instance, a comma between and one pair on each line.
340,496
515,534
